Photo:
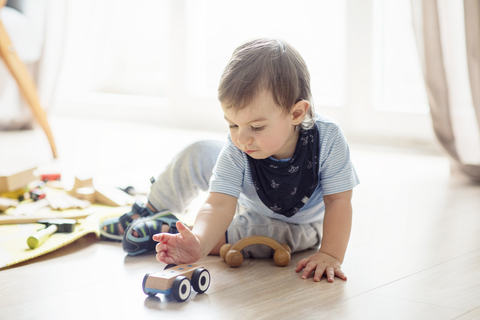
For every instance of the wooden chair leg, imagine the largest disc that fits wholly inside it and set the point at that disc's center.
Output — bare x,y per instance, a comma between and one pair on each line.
26,84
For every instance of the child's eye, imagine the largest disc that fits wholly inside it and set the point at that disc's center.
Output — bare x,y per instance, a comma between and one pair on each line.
233,126
258,128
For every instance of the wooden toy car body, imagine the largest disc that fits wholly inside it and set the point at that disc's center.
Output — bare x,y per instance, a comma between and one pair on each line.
177,280
234,258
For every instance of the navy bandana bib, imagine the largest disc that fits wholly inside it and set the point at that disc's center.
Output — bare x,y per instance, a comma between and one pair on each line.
286,186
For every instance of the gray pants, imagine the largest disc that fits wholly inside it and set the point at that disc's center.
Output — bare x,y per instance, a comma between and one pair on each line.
189,173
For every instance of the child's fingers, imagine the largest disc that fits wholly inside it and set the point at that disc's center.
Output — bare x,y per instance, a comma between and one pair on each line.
339,273
184,231
319,271
308,269
162,257
301,264
162,237
330,274
161,247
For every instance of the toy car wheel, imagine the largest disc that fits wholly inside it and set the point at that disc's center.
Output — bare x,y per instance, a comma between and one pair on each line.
201,280
143,285
181,288
234,258
281,257
224,250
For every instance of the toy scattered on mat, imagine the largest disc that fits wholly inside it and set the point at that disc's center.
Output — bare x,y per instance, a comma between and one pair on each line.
50,177
6,203
33,218
63,201
57,200
177,281
84,189
51,226
37,194
29,207
16,194
234,258
33,190
11,181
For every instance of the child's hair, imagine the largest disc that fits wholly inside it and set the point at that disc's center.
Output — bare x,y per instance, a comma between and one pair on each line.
266,64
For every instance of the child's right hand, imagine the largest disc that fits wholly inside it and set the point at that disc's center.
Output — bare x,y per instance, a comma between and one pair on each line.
183,247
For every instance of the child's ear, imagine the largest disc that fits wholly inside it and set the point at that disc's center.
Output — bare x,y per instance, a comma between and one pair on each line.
299,111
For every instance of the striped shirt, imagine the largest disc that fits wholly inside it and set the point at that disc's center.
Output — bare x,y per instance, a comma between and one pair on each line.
231,175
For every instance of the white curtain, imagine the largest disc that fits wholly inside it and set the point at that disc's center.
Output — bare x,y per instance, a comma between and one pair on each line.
448,40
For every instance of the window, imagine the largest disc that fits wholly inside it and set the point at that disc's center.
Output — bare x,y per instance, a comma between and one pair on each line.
133,55
116,53
213,34
398,78
160,61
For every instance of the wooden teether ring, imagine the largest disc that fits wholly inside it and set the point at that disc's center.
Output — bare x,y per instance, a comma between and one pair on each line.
234,258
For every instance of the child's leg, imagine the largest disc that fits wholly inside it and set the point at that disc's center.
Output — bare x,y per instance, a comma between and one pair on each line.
187,174
299,237
180,182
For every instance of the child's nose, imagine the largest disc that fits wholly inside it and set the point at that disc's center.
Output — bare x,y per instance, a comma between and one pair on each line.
244,138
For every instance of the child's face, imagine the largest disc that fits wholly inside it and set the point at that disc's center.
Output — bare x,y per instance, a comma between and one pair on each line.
262,129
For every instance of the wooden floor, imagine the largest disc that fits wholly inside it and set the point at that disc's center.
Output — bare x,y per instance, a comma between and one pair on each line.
414,251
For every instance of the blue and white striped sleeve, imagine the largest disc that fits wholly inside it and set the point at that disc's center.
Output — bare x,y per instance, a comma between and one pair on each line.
229,171
337,173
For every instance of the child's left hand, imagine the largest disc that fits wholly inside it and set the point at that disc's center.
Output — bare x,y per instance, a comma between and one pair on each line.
321,263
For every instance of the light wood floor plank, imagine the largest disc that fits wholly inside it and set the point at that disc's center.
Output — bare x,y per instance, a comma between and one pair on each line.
414,251
472,315
453,284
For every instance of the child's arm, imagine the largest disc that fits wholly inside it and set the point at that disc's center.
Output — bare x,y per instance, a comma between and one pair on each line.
189,246
336,233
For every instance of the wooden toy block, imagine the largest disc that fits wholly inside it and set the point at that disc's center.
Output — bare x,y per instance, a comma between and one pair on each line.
81,183
113,197
14,181
109,196
177,280
234,258
86,193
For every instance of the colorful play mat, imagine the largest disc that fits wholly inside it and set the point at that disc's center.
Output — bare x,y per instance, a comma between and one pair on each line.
13,237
